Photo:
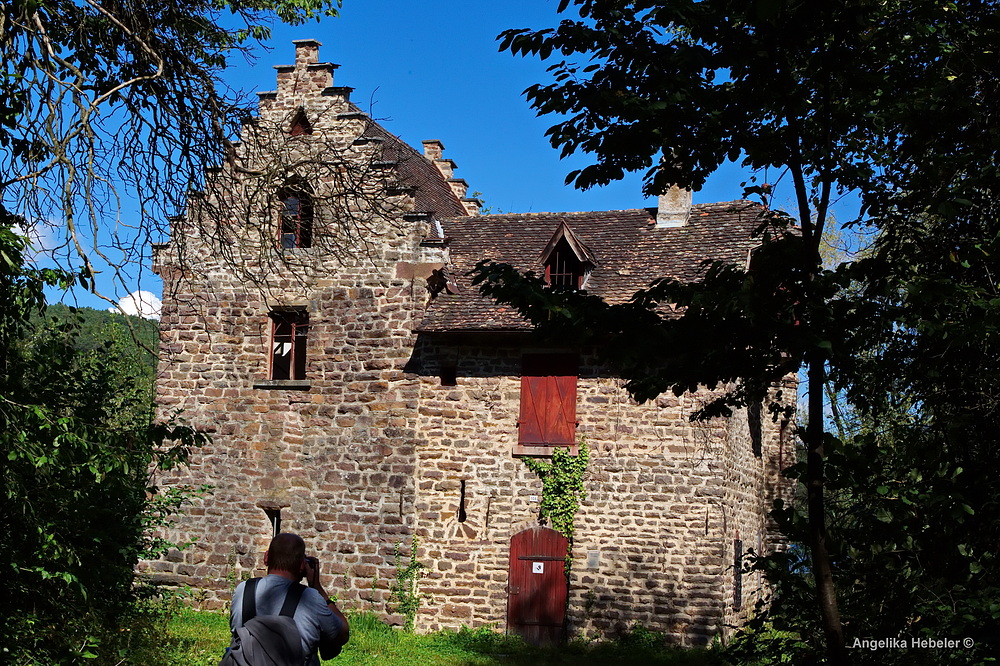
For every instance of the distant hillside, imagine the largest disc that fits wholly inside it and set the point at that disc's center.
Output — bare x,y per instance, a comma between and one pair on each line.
73,346
97,327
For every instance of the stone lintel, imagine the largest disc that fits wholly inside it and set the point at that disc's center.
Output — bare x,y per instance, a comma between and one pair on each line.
416,216
310,66
407,270
332,91
284,384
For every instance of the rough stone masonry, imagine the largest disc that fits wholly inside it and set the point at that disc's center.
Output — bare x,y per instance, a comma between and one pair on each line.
328,241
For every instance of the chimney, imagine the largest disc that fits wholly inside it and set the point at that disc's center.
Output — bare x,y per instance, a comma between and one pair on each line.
306,52
473,206
308,76
459,187
433,149
434,153
674,208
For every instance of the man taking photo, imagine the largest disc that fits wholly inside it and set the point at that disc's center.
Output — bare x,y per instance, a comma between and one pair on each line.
319,623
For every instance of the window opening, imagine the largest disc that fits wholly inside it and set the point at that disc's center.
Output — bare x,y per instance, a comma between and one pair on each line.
449,375
296,218
300,125
756,422
563,269
462,516
274,517
288,344
737,574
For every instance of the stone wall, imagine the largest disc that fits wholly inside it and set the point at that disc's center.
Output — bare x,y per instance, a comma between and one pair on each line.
331,456
377,451
372,449
335,459
653,538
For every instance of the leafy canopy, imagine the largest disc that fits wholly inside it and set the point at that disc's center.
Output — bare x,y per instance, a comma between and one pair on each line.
893,101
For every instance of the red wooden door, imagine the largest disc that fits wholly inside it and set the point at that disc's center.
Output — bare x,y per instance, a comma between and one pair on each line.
536,585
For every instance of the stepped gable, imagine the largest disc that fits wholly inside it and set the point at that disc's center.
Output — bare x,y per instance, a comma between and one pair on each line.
432,193
631,252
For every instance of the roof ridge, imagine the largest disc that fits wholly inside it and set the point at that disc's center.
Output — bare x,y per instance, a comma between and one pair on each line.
584,213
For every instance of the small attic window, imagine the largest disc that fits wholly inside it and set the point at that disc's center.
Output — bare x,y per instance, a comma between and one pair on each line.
568,262
300,125
563,269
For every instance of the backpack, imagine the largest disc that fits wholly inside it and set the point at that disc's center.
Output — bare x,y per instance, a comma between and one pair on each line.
267,640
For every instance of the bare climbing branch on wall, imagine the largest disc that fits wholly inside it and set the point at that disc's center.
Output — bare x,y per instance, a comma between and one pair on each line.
285,207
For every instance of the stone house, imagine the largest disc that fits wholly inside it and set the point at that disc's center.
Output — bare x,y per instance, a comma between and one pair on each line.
318,322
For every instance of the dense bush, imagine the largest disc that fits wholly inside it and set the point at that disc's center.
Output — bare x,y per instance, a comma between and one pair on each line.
76,445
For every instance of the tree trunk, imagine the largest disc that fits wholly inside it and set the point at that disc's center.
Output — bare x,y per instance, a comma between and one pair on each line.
822,570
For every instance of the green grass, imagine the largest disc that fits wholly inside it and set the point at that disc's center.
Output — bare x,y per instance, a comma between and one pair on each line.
199,638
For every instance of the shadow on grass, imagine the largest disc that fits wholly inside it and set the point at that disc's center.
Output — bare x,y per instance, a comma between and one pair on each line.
199,638
486,646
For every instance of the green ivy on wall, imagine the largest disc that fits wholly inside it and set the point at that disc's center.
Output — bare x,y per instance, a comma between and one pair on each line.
562,487
404,590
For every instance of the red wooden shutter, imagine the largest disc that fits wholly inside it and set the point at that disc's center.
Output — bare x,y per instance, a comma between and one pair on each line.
548,400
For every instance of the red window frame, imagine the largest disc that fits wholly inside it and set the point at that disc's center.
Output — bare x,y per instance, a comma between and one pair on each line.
548,403
289,334
296,213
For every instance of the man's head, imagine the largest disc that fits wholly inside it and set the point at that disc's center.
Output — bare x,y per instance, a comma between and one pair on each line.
286,553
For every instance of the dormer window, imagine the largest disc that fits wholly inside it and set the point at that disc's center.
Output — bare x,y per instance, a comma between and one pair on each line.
568,262
563,269
296,211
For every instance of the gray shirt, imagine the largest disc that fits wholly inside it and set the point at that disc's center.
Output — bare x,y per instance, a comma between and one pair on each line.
316,623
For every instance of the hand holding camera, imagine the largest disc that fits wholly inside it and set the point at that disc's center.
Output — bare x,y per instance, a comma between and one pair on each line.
311,571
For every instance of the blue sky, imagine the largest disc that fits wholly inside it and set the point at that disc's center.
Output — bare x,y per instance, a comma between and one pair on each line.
431,70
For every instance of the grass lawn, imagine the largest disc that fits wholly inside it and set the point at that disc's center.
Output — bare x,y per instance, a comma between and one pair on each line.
199,638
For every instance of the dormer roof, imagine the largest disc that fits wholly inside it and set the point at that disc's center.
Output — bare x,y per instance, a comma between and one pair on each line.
581,251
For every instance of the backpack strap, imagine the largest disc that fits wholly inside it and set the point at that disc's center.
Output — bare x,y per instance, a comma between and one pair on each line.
292,598
250,599
291,602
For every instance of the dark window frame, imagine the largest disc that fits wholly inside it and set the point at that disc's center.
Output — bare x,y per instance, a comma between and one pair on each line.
300,125
296,214
563,270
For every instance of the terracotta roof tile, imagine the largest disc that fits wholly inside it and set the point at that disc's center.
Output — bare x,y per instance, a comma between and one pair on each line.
630,251
432,192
